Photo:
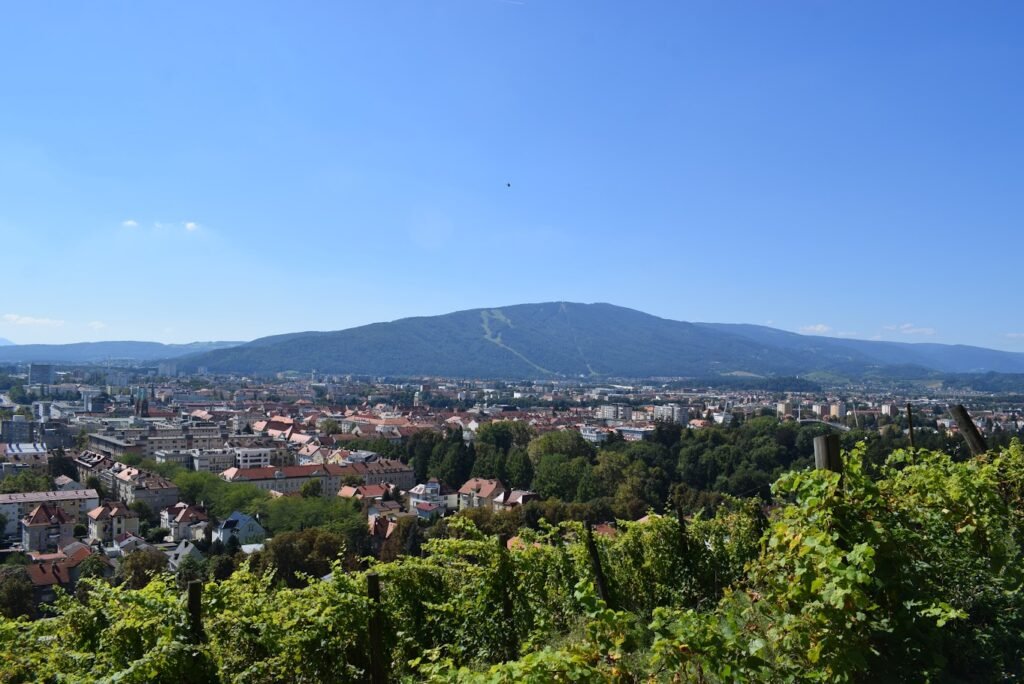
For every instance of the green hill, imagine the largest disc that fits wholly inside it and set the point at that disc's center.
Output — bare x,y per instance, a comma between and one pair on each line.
562,339
526,340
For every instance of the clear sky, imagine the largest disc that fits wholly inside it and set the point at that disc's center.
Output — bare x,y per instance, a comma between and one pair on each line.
181,171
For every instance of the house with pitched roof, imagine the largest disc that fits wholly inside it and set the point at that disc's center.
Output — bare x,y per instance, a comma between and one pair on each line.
514,498
183,520
183,550
480,493
111,519
240,527
60,569
432,498
46,529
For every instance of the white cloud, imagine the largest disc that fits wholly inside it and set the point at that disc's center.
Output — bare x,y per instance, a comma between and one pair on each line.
188,226
910,329
1015,336
18,319
816,329
130,223
97,325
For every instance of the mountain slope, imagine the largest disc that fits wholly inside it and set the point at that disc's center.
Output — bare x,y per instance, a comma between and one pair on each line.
947,358
92,352
525,340
589,340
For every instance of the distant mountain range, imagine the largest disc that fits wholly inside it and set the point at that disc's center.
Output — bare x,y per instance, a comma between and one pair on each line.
4,342
562,339
96,352
556,339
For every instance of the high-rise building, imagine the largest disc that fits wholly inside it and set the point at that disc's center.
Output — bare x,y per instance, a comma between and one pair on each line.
40,374
672,413
614,412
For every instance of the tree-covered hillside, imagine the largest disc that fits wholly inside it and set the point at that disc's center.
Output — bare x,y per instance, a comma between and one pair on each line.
563,339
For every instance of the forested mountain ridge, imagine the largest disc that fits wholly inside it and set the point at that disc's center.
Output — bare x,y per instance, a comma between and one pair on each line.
95,352
564,339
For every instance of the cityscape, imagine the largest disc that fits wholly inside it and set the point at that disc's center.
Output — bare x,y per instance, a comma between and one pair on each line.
115,447
502,341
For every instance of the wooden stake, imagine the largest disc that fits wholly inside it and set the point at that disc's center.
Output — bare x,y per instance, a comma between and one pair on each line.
595,562
195,611
968,429
910,425
826,453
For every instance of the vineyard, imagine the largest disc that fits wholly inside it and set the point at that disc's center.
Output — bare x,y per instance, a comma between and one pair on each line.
909,573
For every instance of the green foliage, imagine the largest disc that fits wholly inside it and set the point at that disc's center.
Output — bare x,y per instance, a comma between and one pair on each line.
190,568
15,591
908,573
328,426
295,557
221,498
25,481
312,489
568,443
339,516
139,567
557,476
95,567
519,469
504,435
61,464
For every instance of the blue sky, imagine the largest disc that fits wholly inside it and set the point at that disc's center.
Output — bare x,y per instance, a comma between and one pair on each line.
183,171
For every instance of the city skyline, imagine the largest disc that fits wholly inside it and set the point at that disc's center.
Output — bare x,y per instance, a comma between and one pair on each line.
228,172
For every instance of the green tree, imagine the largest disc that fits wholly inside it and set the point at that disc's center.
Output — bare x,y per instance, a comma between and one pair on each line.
139,567
15,592
220,567
93,482
146,514
558,476
328,426
569,443
489,462
25,481
504,435
190,568
95,566
519,469
60,464
293,555
457,464
312,489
